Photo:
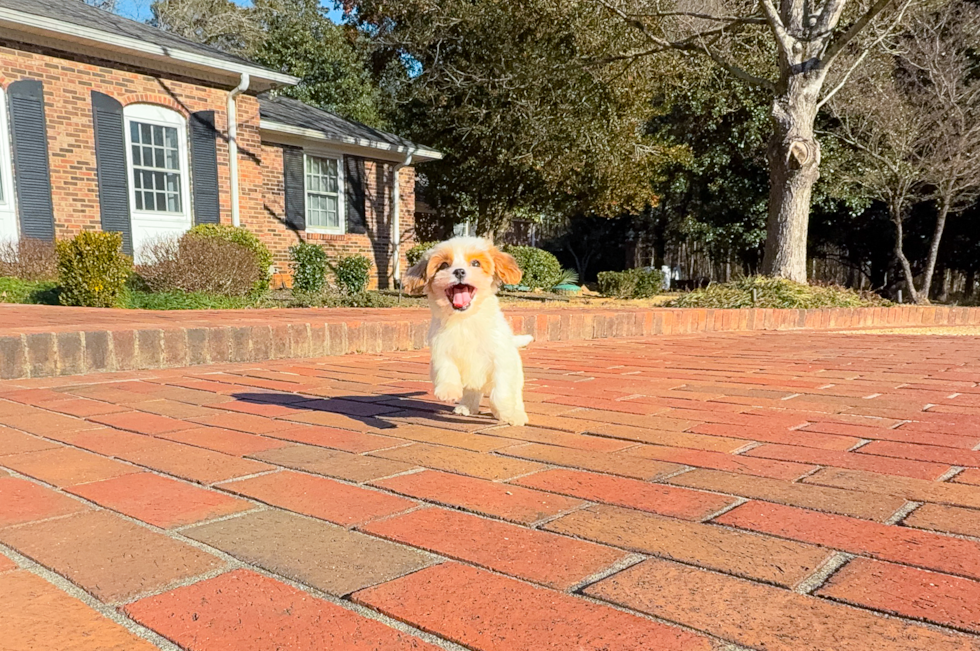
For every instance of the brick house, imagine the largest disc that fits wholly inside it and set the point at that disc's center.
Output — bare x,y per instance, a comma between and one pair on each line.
108,123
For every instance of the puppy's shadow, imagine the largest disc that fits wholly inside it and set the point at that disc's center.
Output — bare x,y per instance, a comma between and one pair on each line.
381,411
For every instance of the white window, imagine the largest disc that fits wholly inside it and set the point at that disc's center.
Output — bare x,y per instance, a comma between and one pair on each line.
324,195
159,192
8,213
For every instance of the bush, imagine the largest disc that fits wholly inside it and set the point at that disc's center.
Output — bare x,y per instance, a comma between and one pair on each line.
541,269
352,274
29,259
632,283
199,264
415,253
92,269
309,267
334,298
775,293
242,237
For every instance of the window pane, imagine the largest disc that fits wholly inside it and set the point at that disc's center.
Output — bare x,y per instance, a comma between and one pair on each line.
136,155
158,135
148,201
134,131
137,179
172,163
146,134
139,201
159,162
173,203
331,208
171,139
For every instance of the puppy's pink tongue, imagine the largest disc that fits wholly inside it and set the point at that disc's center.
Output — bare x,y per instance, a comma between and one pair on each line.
461,297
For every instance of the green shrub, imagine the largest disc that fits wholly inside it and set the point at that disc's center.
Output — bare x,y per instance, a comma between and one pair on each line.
415,253
632,283
242,237
334,298
92,269
541,269
309,267
775,293
352,274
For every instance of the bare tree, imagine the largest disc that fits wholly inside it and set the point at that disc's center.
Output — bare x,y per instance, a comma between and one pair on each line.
913,117
107,5
803,40
218,23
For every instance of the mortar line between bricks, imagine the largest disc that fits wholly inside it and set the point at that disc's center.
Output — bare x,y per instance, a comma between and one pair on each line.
810,584
903,512
72,590
259,508
537,524
628,561
950,474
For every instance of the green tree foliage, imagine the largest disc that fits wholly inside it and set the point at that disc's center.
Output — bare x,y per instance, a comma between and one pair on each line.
332,60
506,91
292,36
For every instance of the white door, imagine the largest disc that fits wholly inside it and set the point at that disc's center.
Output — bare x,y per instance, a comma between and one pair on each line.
9,231
159,198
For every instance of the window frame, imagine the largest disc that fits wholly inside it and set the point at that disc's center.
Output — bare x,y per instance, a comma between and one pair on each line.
159,116
341,228
8,200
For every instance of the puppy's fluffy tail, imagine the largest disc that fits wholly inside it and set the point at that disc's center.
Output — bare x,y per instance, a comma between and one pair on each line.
522,340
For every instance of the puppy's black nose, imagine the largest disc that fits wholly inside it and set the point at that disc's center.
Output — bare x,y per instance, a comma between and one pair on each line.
459,273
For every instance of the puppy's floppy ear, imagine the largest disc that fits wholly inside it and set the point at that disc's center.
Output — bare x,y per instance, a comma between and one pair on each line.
415,278
505,267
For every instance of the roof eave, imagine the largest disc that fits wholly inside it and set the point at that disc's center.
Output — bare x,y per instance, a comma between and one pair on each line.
113,43
381,149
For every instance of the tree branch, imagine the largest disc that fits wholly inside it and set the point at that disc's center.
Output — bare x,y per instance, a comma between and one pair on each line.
841,42
783,38
738,72
833,91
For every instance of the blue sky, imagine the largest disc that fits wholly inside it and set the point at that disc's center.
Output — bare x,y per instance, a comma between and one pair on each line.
140,9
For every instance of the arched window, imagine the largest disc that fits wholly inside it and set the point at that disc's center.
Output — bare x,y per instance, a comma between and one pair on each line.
156,152
9,231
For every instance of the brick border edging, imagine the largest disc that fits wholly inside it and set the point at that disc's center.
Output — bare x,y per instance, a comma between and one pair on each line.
95,351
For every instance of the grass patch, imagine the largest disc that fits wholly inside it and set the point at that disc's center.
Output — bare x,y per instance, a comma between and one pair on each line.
775,293
40,292
176,300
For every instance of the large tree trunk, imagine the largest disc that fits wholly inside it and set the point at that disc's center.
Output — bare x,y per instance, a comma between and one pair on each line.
937,236
794,166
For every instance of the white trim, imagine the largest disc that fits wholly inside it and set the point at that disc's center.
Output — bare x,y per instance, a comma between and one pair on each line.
115,41
420,154
8,204
341,228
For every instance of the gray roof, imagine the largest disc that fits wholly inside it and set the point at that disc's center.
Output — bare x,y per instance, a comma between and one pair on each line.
291,112
76,12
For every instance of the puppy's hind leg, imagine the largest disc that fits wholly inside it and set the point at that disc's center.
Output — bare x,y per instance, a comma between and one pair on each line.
506,397
469,405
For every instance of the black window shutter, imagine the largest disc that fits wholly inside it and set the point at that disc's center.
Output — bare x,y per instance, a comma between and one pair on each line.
30,144
204,167
295,188
354,194
110,157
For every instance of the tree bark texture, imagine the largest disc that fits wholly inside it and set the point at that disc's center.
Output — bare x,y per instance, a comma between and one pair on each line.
937,236
794,166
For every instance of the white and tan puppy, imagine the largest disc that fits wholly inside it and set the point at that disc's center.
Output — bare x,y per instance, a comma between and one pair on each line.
474,351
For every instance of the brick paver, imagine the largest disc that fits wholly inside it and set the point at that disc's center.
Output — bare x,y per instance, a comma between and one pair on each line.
776,491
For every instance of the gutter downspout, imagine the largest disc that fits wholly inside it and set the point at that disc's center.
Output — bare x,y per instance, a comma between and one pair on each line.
233,146
396,226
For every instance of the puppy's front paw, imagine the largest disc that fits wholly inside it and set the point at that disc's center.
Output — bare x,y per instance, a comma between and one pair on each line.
518,419
462,410
449,392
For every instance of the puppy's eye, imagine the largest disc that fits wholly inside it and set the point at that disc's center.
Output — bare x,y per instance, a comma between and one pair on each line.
444,265
475,263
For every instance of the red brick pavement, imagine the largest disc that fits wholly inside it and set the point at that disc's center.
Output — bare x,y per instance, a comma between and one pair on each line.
769,491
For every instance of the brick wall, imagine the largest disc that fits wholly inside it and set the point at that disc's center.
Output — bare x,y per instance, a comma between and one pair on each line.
376,244
71,138
71,145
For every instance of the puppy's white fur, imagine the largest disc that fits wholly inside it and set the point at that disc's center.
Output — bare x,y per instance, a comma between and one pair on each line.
474,351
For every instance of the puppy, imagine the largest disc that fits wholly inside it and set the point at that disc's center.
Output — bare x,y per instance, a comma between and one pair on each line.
474,351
